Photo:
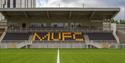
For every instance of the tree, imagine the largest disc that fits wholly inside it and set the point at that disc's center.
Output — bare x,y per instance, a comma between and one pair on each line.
122,21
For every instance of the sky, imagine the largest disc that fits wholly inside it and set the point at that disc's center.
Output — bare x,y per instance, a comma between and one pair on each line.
87,4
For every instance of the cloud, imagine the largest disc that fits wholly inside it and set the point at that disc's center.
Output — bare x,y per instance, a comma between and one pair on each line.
41,3
86,4
121,14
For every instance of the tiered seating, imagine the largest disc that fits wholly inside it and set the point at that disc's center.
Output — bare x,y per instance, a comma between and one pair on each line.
16,36
100,36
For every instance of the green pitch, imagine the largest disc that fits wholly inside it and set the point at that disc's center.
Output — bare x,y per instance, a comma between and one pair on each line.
28,55
66,55
92,55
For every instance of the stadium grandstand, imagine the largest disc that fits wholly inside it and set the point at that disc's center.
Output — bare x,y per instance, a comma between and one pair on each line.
25,26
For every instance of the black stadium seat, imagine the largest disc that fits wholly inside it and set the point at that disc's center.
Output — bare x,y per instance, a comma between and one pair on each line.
100,36
16,36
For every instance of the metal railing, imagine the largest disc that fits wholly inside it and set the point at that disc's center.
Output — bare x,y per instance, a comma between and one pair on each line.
13,43
120,27
54,30
103,43
59,44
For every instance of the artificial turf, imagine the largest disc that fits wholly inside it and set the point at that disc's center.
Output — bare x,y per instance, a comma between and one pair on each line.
66,55
28,55
92,55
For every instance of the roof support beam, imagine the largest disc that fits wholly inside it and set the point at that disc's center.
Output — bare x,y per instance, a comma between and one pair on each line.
114,14
26,14
48,15
92,14
70,15
5,14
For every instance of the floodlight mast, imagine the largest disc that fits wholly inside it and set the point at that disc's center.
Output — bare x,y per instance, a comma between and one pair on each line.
83,5
59,3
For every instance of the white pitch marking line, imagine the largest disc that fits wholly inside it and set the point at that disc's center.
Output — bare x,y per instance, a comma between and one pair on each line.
58,57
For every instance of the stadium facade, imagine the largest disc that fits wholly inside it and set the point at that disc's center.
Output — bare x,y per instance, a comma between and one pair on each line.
30,27
17,3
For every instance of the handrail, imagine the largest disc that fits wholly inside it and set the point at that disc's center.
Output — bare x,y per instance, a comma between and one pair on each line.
2,36
51,30
21,44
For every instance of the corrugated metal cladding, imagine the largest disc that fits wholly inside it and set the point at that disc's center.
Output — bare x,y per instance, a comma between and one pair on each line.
17,3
